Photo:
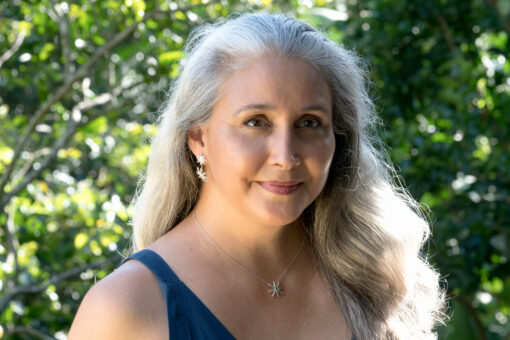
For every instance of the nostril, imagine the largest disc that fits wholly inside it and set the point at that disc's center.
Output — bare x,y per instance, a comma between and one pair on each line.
287,162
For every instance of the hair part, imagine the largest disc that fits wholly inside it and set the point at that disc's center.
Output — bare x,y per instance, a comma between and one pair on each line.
366,230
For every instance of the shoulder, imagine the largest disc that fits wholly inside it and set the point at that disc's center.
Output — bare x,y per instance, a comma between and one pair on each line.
127,304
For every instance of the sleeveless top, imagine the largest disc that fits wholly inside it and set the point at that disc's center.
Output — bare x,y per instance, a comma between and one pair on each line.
188,317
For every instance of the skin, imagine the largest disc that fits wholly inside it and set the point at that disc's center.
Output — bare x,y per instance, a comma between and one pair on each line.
269,145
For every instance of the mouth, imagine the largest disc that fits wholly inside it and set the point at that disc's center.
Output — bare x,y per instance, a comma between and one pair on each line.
281,188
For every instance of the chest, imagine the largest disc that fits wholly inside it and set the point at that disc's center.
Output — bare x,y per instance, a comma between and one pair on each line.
240,306
296,315
222,313
307,310
308,323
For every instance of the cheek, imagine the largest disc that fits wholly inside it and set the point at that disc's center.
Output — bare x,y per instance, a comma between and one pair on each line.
235,156
329,152
320,156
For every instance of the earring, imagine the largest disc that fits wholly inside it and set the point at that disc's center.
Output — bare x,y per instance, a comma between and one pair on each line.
200,169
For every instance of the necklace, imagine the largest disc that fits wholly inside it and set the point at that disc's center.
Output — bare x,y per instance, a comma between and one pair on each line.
275,287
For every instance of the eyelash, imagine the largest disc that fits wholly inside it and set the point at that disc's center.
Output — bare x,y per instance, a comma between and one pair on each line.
255,119
317,122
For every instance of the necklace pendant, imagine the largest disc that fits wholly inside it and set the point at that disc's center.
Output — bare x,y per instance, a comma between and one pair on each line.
275,290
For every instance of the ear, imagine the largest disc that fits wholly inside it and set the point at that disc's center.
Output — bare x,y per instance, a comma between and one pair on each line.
196,140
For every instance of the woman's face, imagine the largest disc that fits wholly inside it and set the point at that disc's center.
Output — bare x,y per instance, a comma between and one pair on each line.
269,143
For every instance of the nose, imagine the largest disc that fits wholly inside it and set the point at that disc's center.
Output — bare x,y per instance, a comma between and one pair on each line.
283,148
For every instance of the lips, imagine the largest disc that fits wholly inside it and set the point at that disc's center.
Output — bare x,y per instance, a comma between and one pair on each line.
281,188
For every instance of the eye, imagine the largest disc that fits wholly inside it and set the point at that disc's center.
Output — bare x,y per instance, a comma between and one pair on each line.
310,123
257,122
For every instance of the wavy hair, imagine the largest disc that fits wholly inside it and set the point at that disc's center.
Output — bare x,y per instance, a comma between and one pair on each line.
365,229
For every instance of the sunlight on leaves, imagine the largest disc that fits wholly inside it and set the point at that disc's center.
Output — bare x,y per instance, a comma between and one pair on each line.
80,240
168,57
483,149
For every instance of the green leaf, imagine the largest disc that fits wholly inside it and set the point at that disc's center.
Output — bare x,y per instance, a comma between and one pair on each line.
46,51
98,40
169,57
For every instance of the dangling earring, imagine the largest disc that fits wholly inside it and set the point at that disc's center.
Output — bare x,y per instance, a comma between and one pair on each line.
200,169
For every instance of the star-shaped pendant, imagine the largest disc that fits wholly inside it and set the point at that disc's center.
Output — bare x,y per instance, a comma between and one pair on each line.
275,290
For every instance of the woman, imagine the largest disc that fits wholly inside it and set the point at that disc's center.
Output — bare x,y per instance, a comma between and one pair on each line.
268,201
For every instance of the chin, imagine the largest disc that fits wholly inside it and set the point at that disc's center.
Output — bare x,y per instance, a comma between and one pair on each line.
278,216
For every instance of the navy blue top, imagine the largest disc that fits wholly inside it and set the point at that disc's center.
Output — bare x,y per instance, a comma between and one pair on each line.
188,317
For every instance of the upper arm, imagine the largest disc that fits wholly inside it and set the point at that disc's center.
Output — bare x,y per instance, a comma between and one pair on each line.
125,305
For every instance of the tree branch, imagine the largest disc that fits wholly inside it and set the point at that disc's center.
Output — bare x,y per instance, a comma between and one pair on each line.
30,331
14,48
28,163
12,241
59,144
61,19
71,128
62,91
446,32
505,20
472,312
36,289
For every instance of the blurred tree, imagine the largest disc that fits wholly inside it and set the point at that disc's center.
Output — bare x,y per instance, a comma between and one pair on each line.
80,85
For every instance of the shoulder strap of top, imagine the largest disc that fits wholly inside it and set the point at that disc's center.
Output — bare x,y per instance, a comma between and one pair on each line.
178,324
157,265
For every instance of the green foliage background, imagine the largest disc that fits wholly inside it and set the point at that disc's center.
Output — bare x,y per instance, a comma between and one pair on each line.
81,81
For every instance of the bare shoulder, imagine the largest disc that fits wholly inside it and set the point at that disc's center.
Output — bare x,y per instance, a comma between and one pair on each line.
127,304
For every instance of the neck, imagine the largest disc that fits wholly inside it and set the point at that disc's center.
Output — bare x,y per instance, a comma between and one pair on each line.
265,249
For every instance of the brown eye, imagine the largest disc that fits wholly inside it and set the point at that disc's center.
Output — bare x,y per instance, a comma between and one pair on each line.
310,123
257,122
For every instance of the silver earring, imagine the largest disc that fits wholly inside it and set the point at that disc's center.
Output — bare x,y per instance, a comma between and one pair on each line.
200,169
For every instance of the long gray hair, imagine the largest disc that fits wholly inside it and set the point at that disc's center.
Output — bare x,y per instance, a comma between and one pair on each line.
366,230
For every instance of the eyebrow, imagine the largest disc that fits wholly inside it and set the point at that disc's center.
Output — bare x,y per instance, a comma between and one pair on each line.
315,108
272,108
254,107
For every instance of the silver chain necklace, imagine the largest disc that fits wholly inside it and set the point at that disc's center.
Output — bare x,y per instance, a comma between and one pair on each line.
275,287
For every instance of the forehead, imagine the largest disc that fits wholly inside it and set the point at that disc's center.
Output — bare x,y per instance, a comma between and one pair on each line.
278,81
